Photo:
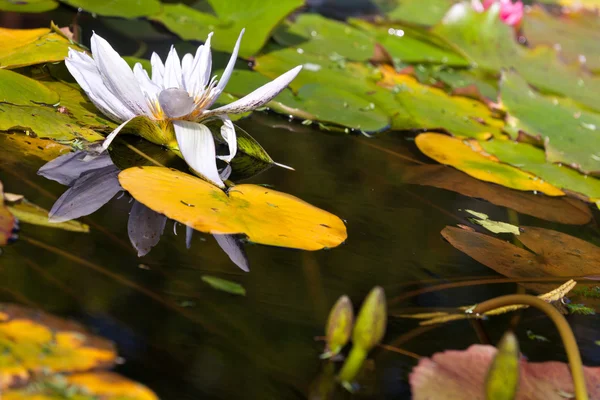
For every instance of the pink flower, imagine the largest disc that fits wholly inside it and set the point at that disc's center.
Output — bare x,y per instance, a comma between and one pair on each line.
510,13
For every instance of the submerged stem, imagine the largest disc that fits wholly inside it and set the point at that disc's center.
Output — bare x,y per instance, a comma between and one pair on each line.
562,326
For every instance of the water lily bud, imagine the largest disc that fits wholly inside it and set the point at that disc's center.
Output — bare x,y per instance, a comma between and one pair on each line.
371,321
339,327
502,379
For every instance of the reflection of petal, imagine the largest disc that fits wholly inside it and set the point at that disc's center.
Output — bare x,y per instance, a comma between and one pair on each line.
90,192
228,133
68,167
189,231
234,248
145,227
198,149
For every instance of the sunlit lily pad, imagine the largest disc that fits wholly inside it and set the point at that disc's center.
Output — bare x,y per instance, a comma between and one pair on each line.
558,209
21,90
34,342
485,40
25,150
22,47
231,16
415,11
124,9
264,215
456,374
28,6
569,133
460,155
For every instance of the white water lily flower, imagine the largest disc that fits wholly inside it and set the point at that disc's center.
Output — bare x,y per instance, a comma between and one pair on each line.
178,91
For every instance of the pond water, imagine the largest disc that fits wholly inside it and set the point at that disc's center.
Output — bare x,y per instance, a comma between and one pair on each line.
186,340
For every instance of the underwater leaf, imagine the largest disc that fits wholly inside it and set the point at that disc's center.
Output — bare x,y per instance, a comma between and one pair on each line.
339,327
264,215
569,134
231,17
34,342
575,33
28,6
532,159
461,374
124,9
44,122
23,47
502,380
313,33
460,155
8,223
30,213
224,285
490,44
82,386
493,226
21,90
559,209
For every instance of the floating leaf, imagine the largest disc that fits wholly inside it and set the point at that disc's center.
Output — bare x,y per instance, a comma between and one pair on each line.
21,90
30,213
456,374
28,6
23,47
558,209
532,159
264,215
339,327
231,17
124,9
490,44
567,132
34,342
224,285
576,34
460,155
28,150
502,380
493,226
313,33
83,386
415,11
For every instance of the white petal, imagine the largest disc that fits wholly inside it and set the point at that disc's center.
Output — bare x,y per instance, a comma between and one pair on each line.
229,69
197,146
145,227
113,134
202,68
228,133
259,97
234,248
118,77
172,70
158,69
150,89
175,102
187,64
88,77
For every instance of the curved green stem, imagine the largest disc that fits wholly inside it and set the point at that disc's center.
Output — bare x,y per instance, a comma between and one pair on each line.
353,364
562,326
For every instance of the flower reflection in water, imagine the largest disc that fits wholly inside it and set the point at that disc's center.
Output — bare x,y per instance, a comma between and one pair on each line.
94,182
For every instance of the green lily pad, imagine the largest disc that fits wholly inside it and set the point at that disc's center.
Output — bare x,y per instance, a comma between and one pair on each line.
532,159
28,6
124,9
411,44
315,34
21,90
577,34
44,122
569,134
491,45
23,47
415,11
231,16
469,83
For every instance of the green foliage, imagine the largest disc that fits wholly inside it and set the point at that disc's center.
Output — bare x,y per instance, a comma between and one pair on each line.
123,9
502,379
28,6
580,309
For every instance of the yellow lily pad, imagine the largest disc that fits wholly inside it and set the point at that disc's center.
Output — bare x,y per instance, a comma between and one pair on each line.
30,213
461,155
264,215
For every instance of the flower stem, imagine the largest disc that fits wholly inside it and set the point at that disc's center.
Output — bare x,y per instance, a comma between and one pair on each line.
353,364
562,326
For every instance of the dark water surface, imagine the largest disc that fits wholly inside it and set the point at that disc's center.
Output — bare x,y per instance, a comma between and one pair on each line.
186,340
